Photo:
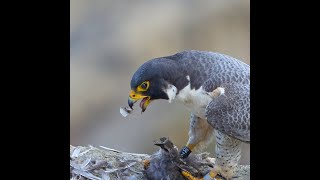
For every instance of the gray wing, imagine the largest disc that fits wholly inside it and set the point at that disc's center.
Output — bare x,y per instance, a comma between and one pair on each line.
230,113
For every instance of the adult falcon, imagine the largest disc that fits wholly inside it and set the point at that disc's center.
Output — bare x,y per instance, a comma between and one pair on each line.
215,88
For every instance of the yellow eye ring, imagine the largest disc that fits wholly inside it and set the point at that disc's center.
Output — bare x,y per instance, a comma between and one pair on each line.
143,86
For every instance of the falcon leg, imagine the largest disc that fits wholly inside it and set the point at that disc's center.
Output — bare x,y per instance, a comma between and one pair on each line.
228,154
200,135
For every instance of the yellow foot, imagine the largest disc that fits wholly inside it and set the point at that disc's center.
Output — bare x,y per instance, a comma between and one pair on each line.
146,163
210,176
189,176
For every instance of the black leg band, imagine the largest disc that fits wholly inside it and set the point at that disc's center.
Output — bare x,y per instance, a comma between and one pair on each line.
185,151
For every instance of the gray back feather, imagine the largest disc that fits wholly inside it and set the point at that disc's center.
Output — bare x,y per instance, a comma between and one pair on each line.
230,113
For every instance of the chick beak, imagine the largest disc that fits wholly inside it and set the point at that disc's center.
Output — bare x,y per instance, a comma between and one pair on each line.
161,145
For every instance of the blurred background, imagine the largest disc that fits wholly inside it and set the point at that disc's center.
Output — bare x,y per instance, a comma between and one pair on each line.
110,39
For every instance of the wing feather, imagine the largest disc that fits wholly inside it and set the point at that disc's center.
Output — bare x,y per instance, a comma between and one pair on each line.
230,112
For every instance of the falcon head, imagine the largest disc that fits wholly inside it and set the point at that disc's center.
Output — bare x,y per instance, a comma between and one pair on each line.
155,79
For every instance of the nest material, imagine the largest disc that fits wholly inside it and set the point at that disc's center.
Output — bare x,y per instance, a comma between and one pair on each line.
101,163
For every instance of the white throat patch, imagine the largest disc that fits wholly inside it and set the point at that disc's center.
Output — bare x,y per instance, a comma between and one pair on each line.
195,100
188,77
171,92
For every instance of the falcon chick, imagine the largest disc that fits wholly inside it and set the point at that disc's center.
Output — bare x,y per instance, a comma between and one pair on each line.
215,88
167,164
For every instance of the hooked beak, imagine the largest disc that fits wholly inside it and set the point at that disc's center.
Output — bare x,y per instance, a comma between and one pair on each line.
134,97
131,102
163,143
160,144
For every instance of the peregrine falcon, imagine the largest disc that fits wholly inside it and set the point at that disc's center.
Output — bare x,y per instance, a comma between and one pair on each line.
215,88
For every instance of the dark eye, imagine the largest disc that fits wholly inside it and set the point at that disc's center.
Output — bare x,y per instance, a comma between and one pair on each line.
144,85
